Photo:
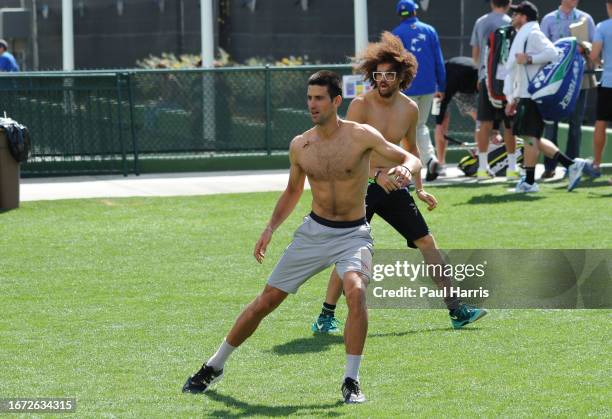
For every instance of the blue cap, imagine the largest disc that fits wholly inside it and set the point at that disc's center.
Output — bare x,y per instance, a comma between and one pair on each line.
406,7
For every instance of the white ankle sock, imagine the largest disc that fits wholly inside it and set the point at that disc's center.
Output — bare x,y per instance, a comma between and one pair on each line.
217,361
352,366
483,161
512,161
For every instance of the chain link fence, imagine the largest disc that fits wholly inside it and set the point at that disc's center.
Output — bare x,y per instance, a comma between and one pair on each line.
111,122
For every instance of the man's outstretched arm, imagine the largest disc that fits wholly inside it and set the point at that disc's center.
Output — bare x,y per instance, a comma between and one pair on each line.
285,204
409,144
407,163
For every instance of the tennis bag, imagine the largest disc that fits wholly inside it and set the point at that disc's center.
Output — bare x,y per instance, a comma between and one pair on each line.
556,86
498,51
497,156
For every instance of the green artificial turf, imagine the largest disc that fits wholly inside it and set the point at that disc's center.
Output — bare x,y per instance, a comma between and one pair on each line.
116,301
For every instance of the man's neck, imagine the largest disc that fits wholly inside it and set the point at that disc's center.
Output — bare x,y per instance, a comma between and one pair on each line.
500,10
385,101
328,129
565,9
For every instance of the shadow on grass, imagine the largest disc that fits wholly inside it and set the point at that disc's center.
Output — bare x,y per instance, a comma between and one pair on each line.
314,343
420,331
252,409
585,184
320,343
472,185
598,195
501,199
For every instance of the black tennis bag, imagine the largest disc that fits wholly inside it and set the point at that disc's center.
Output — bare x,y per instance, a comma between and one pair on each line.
18,138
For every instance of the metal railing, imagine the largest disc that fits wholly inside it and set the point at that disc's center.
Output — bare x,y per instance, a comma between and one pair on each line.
97,122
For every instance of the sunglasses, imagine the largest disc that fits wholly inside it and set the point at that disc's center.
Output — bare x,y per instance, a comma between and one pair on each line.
384,75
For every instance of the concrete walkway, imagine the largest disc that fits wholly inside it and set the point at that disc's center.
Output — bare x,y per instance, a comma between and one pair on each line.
185,184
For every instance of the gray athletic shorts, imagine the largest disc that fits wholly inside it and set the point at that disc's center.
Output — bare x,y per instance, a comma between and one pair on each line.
319,244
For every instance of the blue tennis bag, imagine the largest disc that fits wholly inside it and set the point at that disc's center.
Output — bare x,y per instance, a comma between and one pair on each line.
556,86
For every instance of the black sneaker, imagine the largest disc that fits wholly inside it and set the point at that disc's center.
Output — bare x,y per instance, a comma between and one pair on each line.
351,391
433,170
202,380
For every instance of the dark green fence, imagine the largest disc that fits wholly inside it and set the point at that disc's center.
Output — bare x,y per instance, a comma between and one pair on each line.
113,122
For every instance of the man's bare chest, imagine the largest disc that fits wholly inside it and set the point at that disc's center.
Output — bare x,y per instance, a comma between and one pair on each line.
324,161
391,124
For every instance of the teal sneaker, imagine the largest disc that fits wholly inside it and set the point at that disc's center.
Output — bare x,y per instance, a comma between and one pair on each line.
466,314
326,324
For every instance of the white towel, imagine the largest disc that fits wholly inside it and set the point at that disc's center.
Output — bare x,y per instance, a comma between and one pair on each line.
514,78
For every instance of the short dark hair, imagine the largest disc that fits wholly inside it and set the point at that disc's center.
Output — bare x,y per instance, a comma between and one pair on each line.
500,3
328,79
3,44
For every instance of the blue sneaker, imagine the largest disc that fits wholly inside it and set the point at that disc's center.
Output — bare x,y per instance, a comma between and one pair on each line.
466,314
575,173
326,324
591,171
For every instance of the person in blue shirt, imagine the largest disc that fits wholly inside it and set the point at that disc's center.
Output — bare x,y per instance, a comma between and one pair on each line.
556,25
602,47
422,41
7,61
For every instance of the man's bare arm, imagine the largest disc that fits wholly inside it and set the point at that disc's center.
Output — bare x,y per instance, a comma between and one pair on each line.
286,202
409,144
596,52
407,163
476,55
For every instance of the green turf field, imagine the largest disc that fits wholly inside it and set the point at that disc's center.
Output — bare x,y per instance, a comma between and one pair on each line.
117,301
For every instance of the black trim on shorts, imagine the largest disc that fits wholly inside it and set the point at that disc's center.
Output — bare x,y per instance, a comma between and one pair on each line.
338,224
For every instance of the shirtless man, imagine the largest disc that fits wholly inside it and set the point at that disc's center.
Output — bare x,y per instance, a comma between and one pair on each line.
335,156
390,68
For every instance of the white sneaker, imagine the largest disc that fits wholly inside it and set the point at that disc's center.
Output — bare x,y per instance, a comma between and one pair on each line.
575,173
524,187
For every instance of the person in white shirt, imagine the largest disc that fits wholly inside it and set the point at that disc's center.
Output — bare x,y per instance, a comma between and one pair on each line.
530,51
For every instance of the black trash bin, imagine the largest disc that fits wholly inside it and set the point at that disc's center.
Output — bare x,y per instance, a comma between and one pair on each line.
9,176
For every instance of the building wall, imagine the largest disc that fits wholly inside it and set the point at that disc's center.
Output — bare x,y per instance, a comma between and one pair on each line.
275,29
106,39
324,32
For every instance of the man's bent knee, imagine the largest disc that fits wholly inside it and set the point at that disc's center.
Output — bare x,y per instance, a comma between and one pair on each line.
426,242
355,285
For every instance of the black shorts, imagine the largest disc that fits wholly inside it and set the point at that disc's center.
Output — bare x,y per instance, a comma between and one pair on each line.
528,120
399,210
604,104
486,111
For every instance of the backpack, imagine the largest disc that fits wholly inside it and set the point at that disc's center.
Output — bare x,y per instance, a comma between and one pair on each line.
556,86
18,138
497,156
497,52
